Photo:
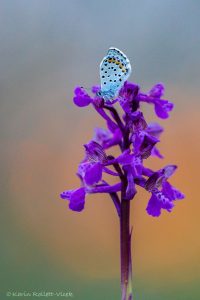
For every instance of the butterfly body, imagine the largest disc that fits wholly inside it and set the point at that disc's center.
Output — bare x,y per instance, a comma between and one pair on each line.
115,69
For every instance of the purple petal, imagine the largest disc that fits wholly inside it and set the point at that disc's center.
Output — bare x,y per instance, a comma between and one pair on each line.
144,143
157,90
162,108
178,194
106,138
137,140
129,91
169,171
77,200
155,129
125,105
137,166
93,174
157,202
111,125
115,140
156,152
171,192
166,203
128,97
138,121
82,101
154,207
81,97
102,135
147,172
95,89
125,158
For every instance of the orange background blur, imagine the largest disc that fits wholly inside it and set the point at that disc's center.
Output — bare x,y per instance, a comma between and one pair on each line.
47,48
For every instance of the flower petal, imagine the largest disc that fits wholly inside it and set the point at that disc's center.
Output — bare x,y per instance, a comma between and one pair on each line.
169,170
93,174
77,200
157,90
155,129
81,97
143,144
154,207
157,202
162,108
95,89
156,152
125,158
128,97
171,192
102,135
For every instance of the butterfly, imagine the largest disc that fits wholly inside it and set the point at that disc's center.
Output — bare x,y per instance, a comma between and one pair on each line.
115,69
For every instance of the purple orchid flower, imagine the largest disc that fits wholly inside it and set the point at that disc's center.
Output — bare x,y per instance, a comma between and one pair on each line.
162,107
162,199
137,140
76,198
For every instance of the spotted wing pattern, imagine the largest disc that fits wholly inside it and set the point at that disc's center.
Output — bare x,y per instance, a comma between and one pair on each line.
115,69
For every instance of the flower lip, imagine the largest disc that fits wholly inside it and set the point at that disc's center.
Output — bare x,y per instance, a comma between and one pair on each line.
157,202
81,97
162,108
76,198
171,192
93,174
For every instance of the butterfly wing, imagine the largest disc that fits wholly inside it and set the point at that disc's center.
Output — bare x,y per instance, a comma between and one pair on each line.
115,68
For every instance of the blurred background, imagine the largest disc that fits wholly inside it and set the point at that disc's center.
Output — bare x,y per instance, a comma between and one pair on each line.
46,49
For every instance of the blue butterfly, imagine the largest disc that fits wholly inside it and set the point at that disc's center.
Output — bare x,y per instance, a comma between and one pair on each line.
115,69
